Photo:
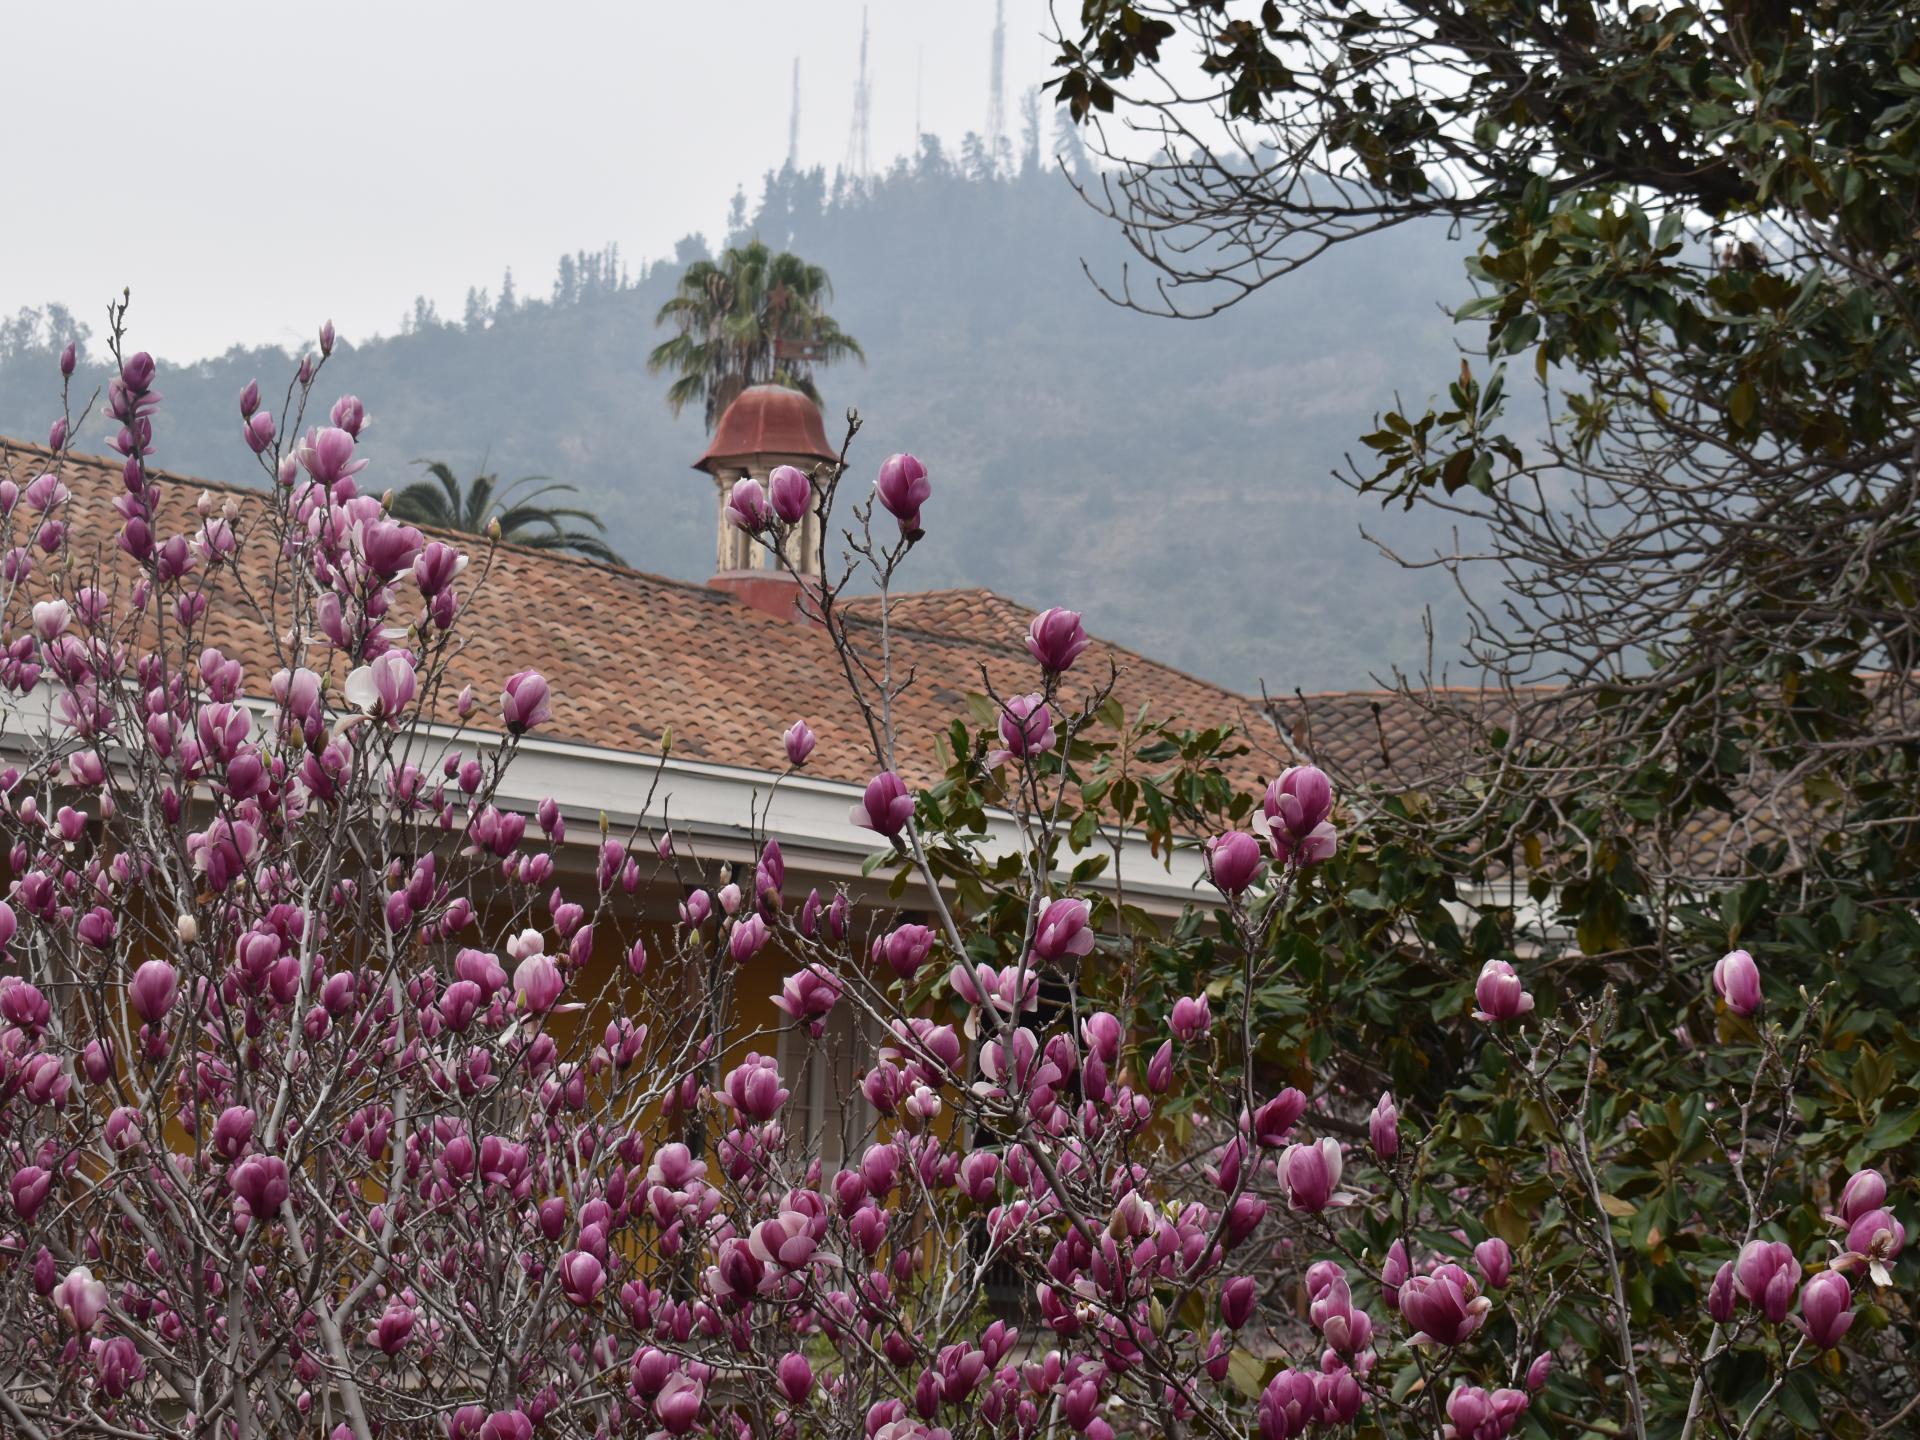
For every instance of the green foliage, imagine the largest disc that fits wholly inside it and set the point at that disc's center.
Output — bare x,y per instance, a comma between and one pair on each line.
752,317
1631,1115
523,519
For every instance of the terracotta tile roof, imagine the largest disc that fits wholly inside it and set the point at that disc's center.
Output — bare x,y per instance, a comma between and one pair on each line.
631,655
1382,736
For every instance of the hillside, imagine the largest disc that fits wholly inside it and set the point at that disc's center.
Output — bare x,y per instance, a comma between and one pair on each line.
1171,479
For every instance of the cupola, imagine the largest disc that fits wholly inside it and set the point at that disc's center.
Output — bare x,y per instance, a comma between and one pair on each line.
766,426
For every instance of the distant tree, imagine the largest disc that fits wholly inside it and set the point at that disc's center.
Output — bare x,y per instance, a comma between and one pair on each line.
477,309
509,300
1068,148
932,159
425,316
41,331
442,501
753,317
975,163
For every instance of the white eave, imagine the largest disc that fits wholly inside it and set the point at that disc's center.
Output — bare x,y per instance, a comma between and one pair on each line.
723,810
720,807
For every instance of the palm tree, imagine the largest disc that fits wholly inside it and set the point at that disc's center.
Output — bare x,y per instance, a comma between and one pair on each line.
441,501
752,317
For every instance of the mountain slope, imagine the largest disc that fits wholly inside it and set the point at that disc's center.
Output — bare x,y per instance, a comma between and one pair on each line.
1171,479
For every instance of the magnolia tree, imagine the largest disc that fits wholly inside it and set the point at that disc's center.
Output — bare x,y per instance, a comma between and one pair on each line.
328,1108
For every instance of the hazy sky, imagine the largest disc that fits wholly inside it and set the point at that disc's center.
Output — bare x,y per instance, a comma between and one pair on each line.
252,169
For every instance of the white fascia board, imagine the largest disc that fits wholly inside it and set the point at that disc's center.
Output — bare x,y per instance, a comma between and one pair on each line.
722,805
719,806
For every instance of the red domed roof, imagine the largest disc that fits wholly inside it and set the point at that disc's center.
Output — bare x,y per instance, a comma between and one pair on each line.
769,420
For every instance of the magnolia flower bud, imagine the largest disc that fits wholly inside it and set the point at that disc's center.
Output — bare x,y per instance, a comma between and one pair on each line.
1826,1308
1234,861
80,1299
1160,1069
795,1377
1237,1297
903,488
1383,1127
799,741
1864,1191
1495,1261
1737,979
1055,639
790,492
1498,994
1766,1273
886,806
747,507
1192,1017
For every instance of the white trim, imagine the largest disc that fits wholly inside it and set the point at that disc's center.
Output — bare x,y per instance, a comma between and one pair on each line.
717,805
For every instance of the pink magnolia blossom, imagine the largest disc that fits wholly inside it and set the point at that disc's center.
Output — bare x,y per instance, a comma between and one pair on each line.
1191,1018
904,949
1766,1274
886,807
1826,1308
1055,639
790,492
678,1404
1443,1308
117,1364
753,1089
1498,994
525,702
1026,730
1737,979
747,507
809,995
385,686
1495,1262
1865,1190
537,983
152,991
1311,1173
1383,1127
799,742
582,1277
903,487
1064,929
794,1376
1234,861
80,1299
391,1331
1874,1240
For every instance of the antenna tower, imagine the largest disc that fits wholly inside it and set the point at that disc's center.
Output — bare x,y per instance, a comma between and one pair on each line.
857,138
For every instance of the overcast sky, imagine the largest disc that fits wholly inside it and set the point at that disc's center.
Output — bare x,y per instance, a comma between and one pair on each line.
252,169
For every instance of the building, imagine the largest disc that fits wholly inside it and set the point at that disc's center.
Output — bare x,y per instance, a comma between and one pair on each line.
670,699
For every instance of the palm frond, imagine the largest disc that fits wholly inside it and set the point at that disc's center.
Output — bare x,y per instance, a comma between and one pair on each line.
732,315
442,501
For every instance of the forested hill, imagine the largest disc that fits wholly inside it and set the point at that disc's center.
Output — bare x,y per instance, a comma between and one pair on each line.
1172,479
